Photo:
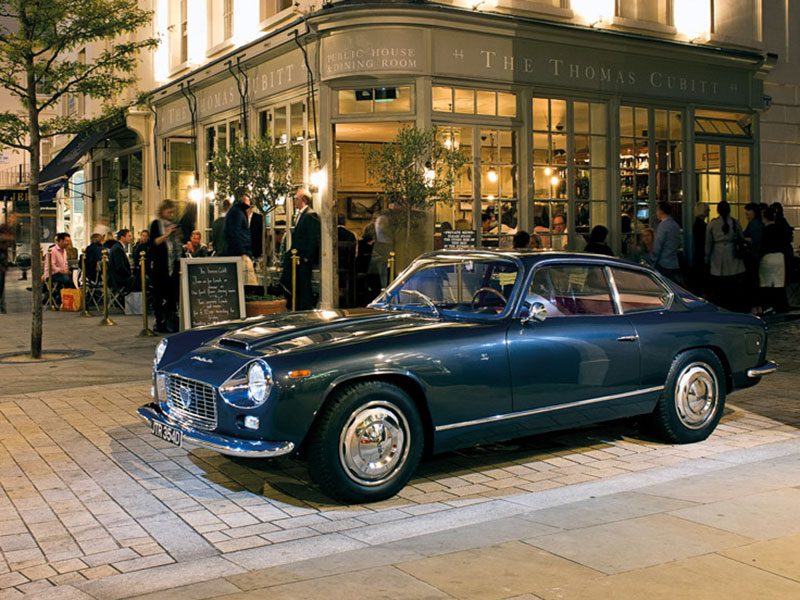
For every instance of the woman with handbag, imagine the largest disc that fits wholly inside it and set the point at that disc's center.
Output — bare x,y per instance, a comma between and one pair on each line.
723,235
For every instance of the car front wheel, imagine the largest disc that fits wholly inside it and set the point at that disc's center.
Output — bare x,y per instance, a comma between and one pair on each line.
693,399
367,443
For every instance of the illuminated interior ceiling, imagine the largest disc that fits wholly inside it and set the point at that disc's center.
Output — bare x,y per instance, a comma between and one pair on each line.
366,132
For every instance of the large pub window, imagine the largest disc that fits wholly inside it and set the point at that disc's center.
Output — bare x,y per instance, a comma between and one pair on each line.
650,169
569,171
289,125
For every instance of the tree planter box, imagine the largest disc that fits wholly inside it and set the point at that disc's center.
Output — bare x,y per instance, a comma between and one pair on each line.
264,307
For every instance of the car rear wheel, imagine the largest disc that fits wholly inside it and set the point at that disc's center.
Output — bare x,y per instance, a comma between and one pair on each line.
693,398
366,444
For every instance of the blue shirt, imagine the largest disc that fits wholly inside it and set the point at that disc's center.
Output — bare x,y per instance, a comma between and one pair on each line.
667,244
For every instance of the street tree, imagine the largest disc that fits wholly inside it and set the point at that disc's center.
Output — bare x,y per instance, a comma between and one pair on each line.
257,168
41,65
415,170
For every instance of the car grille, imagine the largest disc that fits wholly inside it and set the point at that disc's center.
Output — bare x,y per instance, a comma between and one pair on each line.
191,402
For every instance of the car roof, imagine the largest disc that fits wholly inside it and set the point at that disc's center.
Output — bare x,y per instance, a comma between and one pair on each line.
531,257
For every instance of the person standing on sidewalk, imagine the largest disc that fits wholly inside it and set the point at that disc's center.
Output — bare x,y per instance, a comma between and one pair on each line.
6,243
238,241
726,269
667,244
306,240
218,230
164,258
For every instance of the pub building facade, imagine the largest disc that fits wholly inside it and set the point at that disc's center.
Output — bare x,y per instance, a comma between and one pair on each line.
593,125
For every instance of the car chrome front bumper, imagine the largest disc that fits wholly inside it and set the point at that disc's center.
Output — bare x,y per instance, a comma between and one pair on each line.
229,446
765,369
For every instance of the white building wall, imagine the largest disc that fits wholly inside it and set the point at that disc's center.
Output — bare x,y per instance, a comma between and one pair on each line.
780,124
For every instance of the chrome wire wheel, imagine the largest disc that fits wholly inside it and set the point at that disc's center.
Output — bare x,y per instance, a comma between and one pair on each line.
374,443
697,395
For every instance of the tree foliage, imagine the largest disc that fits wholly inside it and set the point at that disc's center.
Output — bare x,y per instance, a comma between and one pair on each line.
41,64
417,168
259,169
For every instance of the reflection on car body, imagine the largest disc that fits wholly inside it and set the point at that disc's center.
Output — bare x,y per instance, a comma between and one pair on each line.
463,347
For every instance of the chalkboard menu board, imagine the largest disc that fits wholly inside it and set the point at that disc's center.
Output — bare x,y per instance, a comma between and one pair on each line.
211,290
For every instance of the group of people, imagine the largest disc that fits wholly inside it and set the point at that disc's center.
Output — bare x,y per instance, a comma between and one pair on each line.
236,233
749,265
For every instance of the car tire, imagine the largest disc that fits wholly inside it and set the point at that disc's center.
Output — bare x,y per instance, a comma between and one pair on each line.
693,398
366,443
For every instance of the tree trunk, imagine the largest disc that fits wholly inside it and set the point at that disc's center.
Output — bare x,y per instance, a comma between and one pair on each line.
36,225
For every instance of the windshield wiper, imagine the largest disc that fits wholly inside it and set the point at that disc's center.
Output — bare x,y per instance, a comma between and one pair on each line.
424,298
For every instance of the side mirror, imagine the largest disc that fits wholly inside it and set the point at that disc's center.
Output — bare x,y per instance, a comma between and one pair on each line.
537,312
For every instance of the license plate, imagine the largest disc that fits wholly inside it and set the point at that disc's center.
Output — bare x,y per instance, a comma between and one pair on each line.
166,433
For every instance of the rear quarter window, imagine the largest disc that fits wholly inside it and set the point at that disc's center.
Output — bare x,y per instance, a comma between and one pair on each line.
640,291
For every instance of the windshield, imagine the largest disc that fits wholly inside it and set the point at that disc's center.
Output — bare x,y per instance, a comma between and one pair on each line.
460,286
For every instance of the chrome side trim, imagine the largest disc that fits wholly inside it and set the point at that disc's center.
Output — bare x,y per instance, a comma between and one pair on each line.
546,409
766,369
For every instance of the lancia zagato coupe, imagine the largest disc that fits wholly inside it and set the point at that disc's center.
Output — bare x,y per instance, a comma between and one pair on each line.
463,347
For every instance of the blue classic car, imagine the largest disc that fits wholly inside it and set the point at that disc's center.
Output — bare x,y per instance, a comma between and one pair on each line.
462,348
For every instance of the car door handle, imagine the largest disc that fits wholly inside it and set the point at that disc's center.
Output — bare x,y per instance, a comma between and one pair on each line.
628,338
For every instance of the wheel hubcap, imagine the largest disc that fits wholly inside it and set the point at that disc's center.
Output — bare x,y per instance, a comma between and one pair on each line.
697,395
374,443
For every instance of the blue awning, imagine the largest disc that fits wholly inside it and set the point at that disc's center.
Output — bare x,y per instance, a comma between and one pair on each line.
63,165
47,194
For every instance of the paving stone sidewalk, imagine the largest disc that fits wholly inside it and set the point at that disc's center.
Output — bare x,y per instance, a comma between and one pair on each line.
92,505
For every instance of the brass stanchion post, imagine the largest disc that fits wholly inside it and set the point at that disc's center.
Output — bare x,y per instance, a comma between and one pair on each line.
146,331
295,262
84,288
50,300
106,320
390,265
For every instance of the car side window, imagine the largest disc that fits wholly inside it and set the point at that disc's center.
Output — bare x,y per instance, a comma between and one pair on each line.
567,290
639,291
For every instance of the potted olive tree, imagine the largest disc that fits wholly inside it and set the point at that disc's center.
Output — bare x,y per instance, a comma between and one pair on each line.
263,172
415,170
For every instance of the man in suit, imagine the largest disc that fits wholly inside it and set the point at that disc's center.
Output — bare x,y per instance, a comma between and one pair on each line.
120,275
256,222
347,263
218,229
306,240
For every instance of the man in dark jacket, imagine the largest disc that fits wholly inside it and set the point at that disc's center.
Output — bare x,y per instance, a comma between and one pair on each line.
218,229
94,254
306,240
120,275
256,221
237,230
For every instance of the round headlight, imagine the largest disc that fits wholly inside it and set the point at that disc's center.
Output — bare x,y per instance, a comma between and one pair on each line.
160,349
258,382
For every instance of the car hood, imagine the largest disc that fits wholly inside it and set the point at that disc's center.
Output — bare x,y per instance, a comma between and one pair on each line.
222,356
303,330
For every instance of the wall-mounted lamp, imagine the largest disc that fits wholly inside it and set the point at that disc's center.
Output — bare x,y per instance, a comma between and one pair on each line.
487,4
555,180
491,175
195,194
594,12
318,179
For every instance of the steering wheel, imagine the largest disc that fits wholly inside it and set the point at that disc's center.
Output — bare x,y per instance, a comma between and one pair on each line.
487,289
